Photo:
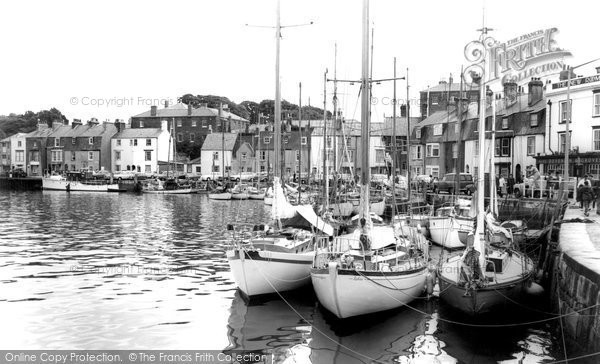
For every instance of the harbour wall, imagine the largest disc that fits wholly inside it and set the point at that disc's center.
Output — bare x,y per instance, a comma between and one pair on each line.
575,283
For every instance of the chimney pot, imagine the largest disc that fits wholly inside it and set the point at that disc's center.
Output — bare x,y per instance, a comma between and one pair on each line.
153,110
166,104
597,69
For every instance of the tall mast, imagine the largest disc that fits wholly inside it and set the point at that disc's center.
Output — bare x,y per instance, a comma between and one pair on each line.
335,123
277,127
394,151
459,112
222,141
325,176
408,174
479,243
300,133
364,119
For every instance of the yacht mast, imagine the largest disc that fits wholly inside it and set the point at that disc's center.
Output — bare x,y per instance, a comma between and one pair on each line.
479,243
364,119
277,120
325,175
394,150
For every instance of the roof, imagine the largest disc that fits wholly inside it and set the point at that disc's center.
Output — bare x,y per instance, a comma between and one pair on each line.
83,130
455,86
40,133
218,141
132,133
181,110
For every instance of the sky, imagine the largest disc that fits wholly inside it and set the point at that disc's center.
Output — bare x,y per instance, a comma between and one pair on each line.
114,59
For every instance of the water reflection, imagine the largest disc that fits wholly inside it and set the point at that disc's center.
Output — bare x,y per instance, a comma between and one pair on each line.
122,271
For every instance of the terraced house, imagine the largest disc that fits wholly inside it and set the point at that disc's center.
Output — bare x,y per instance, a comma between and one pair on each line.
78,146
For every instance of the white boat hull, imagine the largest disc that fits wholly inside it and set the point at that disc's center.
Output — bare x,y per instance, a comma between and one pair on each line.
268,201
170,192
347,293
444,231
220,196
265,272
239,196
256,196
64,185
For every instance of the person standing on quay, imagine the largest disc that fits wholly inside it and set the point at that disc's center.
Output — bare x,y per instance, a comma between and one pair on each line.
587,196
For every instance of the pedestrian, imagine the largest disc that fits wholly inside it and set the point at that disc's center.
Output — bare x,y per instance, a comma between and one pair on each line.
587,196
510,183
502,186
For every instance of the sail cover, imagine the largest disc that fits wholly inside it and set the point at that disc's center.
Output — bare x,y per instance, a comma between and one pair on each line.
281,208
306,218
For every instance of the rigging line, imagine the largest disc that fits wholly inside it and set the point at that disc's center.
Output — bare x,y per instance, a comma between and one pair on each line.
576,358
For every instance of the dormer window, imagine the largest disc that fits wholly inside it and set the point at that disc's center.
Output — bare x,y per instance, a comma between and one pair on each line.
504,123
437,129
418,133
91,140
57,142
267,140
533,120
141,123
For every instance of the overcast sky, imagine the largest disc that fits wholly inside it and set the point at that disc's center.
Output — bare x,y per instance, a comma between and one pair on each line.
66,54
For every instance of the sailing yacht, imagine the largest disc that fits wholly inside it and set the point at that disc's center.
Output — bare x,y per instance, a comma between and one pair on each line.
374,268
490,274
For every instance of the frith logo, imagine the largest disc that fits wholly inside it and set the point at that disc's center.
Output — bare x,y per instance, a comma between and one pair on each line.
530,55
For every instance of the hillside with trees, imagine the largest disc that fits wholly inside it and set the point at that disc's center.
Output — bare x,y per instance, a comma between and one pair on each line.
27,122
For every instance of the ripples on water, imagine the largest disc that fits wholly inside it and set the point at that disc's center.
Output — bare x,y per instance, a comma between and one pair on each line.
125,271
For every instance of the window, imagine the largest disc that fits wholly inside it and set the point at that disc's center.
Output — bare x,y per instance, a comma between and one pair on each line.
135,142
57,142
141,123
148,142
130,142
297,155
455,150
72,156
432,171
596,140
329,143
437,129
90,156
597,103
148,155
117,167
563,112
267,140
19,143
148,168
263,155
203,123
91,140
434,99
379,156
504,123
502,147
303,140
562,142
179,137
179,123
118,142
215,169
192,137
531,145
20,156
417,152
533,120
35,156
418,133
215,156
476,148
244,156
193,123
286,139
262,168
56,156
456,128
432,150
117,155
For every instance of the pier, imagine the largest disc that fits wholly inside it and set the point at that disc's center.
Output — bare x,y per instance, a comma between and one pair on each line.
575,280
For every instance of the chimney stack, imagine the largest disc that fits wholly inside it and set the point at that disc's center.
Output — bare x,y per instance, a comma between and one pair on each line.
153,110
42,125
93,122
510,93
403,111
564,74
166,104
120,124
536,91
75,123
189,109
56,124
598,70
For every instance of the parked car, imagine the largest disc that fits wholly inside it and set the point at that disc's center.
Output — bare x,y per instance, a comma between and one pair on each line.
123,175
211,176
243,176
18,173
448,184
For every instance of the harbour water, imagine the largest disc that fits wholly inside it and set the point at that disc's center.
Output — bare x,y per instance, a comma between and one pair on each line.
126,271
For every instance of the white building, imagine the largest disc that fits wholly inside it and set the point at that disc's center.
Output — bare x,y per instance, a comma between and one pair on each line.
218,153
12,153
140,150
584,125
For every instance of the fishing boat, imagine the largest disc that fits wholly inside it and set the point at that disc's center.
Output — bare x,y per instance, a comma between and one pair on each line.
219,194
255,193
270,260
168,187
374,268
450,226
239,192
70,183
490,274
